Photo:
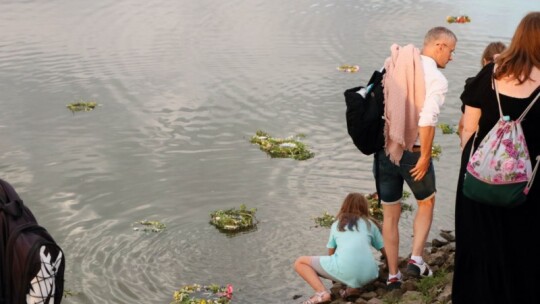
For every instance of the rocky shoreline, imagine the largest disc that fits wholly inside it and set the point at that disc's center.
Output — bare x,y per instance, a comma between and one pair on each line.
437,289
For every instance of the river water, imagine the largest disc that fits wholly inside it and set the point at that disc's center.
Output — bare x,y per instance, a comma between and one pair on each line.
182,86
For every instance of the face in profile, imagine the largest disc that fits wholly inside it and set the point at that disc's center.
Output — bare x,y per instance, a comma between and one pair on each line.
445,52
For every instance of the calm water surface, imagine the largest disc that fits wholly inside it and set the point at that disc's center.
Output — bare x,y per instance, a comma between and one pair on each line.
183,85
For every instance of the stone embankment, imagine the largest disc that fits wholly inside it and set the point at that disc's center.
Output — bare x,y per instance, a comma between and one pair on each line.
437,289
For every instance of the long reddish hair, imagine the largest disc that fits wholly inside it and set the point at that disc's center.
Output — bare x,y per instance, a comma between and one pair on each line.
518,60
355,206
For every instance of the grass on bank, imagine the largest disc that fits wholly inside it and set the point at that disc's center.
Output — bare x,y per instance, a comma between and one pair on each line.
430,287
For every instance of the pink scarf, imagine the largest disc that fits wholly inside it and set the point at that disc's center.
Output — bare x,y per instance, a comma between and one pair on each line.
404,94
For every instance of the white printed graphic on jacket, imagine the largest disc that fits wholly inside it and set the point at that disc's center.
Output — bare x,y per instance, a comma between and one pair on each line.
42,286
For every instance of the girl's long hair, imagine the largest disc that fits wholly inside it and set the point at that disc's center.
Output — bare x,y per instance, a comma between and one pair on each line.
490,51
355,206
518,60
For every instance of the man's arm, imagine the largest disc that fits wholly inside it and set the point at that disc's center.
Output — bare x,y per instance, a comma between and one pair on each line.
436,89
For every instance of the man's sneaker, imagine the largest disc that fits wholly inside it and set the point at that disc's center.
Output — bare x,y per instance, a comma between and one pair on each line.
416,270
393,283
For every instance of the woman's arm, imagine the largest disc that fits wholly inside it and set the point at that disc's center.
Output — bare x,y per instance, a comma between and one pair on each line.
470,123
331,251
460,126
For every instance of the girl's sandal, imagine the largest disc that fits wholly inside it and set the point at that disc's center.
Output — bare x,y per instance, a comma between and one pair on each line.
318,298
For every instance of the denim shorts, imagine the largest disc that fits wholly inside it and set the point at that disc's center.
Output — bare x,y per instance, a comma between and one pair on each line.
391,177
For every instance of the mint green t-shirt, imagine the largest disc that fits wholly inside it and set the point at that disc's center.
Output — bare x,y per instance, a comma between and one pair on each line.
353,262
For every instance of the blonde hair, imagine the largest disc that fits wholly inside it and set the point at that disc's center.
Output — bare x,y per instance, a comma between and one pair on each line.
491,50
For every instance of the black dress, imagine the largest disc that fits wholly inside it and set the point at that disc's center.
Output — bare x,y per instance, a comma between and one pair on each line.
497,251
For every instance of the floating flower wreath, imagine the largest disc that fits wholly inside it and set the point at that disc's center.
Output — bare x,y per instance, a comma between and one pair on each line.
288,147
153,226
348,68
458,19
83,106
197,294
234,220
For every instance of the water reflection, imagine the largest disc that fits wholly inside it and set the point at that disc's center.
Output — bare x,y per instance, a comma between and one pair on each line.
183,86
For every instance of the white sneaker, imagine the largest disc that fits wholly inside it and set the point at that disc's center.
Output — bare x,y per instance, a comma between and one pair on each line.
418,270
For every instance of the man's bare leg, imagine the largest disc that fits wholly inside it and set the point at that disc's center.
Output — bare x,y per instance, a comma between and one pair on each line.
422,225
391,215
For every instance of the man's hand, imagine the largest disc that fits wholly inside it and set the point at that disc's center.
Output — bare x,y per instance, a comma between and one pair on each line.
421,168
426,135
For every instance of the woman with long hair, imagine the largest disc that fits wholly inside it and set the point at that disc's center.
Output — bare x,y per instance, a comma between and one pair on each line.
496,260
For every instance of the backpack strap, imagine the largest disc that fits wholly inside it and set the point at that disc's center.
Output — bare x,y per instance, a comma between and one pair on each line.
530,183
528,108
501,115
520,118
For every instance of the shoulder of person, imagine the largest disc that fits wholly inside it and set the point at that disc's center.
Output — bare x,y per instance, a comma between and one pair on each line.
487,70
469,80
483,76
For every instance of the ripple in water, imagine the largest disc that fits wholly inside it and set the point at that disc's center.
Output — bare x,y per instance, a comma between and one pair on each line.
183,85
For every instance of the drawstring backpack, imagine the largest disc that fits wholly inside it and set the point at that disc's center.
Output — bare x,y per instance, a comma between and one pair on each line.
499,171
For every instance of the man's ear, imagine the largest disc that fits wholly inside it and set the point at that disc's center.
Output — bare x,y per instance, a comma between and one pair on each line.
440,47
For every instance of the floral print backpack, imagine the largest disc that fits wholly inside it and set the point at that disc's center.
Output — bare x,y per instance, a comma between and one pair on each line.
499,172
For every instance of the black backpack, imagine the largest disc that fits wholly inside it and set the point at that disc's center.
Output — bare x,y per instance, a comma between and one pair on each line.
32,264
365,115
